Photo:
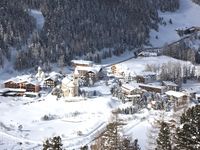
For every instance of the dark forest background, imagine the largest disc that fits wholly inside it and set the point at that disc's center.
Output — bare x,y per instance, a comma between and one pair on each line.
76,28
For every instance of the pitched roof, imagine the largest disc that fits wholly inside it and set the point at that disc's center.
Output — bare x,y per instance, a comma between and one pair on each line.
152,86
94,69
19,79
169,83
147,74
84,62
175,94
33,82
130,87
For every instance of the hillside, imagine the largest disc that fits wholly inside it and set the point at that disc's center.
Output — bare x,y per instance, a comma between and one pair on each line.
84,28
58,31
15,27
186,16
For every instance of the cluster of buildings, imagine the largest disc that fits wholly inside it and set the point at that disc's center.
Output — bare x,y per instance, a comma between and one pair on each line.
68,84
86,73
134,88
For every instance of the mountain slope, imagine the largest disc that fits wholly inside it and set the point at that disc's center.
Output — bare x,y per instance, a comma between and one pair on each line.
187,16
15,27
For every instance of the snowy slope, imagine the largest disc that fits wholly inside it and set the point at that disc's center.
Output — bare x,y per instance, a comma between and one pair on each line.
69,119
135,66
188,15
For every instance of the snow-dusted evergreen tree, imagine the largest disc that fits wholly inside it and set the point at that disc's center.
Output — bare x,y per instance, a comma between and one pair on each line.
111,139
164,138
188,134
54,143
196,1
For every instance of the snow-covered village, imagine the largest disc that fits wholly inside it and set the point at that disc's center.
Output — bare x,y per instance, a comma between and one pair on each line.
141,94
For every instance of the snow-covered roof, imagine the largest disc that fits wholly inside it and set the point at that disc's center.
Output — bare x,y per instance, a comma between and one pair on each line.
94,69
84,62
152,86
130,87
147,53
175,94
33,82
197,95
39,68
67,79
54,76
169,83
147,74
133,96
19,79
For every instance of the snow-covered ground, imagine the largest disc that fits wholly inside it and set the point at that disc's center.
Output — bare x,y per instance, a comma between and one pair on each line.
39,18
86,117
76,120
135,66
79,122
187,16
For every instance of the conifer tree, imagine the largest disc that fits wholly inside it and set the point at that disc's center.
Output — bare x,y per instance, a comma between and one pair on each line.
54,143
188,134
164,139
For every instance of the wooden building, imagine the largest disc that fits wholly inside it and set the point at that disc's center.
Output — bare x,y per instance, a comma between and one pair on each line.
88,72
32,87
129,89
15,83
153,88
131,92
49,82
178,99
53,79
146,77
170,86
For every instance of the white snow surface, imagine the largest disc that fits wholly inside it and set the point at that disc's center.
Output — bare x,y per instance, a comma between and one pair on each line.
69,118
39,18
88,117
187,16
136,66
